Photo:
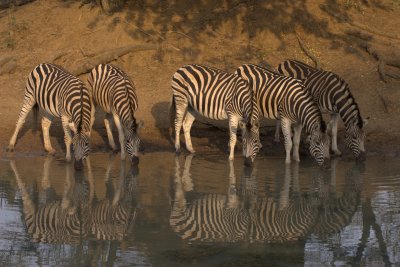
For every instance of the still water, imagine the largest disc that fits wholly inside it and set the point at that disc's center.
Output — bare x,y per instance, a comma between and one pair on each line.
200,211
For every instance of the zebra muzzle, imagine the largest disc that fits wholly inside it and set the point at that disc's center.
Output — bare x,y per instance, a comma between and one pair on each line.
78,165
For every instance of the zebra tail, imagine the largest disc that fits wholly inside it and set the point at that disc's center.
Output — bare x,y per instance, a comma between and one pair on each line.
172,114
35,112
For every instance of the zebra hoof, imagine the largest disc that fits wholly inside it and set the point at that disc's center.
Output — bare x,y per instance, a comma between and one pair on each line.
135,161
10,148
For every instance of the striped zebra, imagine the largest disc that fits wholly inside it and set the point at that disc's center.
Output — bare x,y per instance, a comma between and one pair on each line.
239,218
59,94
115,92
337,211
333,96
113,217
284,98
217,95
62,222
210,217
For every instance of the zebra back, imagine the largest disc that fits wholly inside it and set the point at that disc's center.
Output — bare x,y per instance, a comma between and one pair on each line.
114,91
59,93
329,91
277,95
212,92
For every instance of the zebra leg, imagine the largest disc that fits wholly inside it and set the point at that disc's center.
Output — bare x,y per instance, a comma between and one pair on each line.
121,135
92,117
29,102
107,124
46,123
334,122
67,137
181,106
277,130
187,125
296,142
233,125
287,134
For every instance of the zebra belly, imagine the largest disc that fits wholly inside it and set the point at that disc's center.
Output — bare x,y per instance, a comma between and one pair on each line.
219,114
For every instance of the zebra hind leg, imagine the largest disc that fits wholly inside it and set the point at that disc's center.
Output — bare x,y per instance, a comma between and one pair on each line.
107,124
187,125
29,102
233,125
296,142
287,134
333,127
181,107
67,137
277,131
46,123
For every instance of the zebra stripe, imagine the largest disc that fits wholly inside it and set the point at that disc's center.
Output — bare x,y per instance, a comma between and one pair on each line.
332,94
284,98
115,92
59,94
62,221
217,95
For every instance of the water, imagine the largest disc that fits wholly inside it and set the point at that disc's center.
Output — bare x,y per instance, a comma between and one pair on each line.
201,211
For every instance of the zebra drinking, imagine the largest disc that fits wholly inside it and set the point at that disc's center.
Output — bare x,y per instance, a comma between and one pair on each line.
114,91
284,98
59,94
217,95
333,96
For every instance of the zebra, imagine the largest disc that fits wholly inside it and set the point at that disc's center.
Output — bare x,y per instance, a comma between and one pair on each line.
217,95
115,92
64,221
333,96
284,98
210,217
233,218
113,217
59,94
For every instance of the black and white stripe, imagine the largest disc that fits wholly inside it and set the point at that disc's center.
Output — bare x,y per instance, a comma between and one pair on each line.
217,95
333,96
284,98
115,92
64,221
59,94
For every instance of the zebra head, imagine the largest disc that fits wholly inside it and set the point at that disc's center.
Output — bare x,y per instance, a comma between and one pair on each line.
251,140
132,140
80,142
320,144
355,138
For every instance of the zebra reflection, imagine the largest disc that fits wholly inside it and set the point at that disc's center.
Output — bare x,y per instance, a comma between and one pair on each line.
112,218
234,217
55,221
79,214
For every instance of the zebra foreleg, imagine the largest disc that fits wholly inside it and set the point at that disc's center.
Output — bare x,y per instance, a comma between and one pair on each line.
26,107
334,125
121,135
181,107
46,123
67,137
187,125
277,131
287,134
296,142
233,125
107,124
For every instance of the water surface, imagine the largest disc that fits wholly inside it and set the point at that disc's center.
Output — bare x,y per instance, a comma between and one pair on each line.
199,210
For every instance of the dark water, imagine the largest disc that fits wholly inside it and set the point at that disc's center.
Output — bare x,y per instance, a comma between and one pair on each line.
200,211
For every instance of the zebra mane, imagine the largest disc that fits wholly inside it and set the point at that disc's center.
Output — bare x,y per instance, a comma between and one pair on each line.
79,126
129,101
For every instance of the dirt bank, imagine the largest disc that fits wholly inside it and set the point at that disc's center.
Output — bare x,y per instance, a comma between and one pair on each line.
355,39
